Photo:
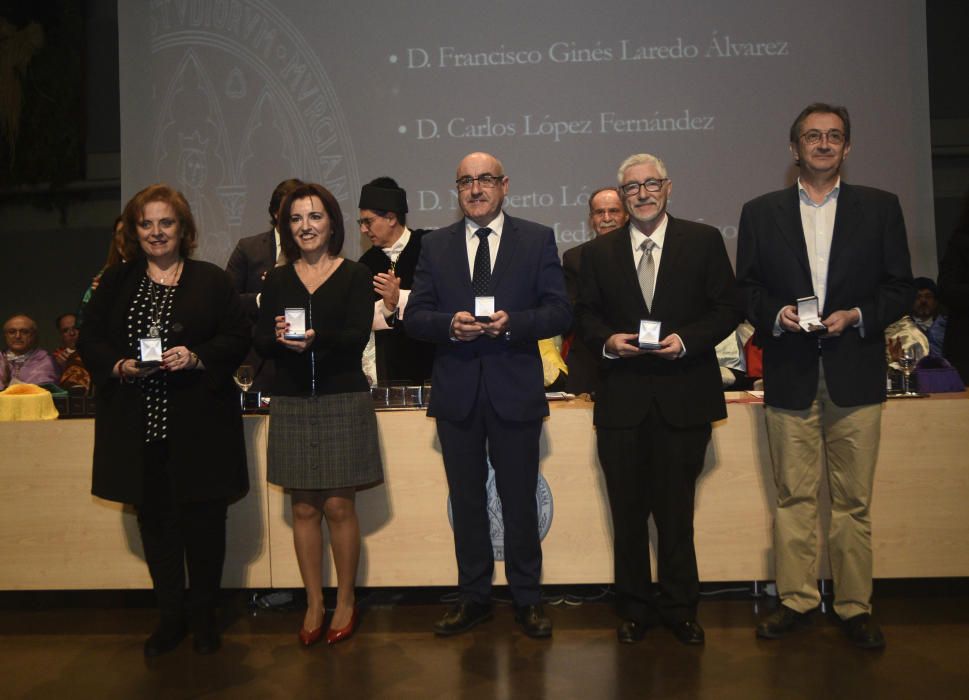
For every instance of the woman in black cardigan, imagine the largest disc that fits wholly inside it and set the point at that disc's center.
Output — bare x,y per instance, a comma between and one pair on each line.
168,435
323,442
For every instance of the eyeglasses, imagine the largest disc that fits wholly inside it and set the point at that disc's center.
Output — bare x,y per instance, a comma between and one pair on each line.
631,189
486,181
813,137
18,331
365,223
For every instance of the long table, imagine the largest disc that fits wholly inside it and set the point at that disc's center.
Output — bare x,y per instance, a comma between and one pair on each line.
55,535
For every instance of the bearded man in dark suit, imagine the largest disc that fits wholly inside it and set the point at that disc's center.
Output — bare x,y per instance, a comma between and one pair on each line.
655,405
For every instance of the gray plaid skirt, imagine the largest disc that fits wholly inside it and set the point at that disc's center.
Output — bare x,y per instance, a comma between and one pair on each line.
323,442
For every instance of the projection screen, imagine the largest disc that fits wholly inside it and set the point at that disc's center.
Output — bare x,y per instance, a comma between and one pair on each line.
225,98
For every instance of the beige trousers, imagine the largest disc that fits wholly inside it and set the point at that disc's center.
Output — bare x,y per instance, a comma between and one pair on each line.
849,438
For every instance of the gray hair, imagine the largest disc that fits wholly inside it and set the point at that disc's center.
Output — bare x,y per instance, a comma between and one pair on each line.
640,159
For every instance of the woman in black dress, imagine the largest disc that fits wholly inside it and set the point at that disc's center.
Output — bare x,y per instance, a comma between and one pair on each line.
323,442
168,435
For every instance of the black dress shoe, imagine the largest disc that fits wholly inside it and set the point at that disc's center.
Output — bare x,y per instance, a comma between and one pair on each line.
205,632
164,639
687,631
863,632
462,617
206,642
535,623
630,632
782,622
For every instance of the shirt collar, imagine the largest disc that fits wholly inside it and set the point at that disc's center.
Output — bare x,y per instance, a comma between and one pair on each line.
658,237
395,250
806,198
14,358
496,225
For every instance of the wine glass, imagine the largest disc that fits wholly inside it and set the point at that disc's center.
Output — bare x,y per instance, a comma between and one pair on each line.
907,361
243,378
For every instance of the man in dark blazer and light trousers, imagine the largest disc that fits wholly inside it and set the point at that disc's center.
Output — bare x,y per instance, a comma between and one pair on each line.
654,409
847,246
488,395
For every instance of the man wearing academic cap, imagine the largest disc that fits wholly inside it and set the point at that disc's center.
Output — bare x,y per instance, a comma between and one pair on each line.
392,259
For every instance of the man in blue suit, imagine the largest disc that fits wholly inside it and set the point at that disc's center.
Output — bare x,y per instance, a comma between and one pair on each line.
488,396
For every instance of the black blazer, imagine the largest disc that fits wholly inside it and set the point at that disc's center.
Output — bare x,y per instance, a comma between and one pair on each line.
695,297
583,362
526,282
868,268
205,438
253,257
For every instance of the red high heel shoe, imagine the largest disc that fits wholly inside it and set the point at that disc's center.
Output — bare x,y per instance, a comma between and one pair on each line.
333,636
310,637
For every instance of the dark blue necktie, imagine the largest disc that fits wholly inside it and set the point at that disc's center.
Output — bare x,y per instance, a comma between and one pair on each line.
481,277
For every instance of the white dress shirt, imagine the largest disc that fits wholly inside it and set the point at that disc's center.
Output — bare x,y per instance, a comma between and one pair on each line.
494,239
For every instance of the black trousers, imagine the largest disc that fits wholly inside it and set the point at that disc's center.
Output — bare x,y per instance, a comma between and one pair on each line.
513,448
651,469
176,534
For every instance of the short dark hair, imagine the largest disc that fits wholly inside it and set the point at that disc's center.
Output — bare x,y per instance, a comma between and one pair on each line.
57,322
135,209
921,283
311,189
279,194
825,108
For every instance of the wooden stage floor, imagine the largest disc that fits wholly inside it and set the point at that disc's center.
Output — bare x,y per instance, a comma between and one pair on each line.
77,645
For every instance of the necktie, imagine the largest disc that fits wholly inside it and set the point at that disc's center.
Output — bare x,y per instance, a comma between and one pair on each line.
647,271
481,277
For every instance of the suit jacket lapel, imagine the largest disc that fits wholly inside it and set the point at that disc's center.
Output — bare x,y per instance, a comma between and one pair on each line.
269,238
669,260
846,220
626,266
788,216
458,251
506,251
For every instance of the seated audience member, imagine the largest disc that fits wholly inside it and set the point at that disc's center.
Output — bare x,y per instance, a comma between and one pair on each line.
23,362
606,214
73,372
392,260
554,370
926,314
67,327
732,359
